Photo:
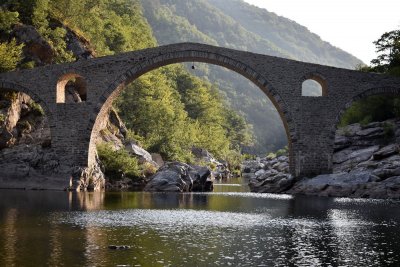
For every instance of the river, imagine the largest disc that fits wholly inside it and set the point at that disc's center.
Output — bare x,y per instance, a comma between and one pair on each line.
228,227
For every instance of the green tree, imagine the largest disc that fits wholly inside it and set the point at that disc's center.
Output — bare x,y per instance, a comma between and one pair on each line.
388,49
8,19
381,107
10,55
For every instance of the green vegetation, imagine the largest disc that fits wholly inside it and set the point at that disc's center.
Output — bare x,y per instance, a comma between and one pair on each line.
10,55
379,107
237,25
118,163
168,109
280,152
173,111
37,109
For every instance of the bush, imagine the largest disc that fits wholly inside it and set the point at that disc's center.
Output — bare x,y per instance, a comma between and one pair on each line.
10,55
234,159
388,131
37,109
2,118
117,163
271,156
148,169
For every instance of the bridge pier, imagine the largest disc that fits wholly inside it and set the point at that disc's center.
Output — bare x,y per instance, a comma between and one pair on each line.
70,136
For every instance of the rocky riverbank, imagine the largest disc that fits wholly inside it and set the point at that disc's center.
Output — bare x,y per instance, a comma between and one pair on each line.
366,164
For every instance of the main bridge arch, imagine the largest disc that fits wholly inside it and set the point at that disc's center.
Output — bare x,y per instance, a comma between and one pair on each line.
198,54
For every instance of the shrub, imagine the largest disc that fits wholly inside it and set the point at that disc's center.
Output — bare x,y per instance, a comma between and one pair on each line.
388,131
148,169
2,118
271,155
234,159
37,109
117,163
212,166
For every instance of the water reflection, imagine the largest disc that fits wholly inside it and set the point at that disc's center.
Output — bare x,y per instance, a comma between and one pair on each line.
55,245
220,229
10,237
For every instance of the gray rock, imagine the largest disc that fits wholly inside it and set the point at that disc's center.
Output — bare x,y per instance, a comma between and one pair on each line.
180,177
355,155
271,184
157,158
375,132
141,153
386,151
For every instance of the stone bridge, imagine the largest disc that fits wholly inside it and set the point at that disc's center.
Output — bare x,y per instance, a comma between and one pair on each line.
310,122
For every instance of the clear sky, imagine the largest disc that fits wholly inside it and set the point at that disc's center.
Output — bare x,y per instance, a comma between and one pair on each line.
351,25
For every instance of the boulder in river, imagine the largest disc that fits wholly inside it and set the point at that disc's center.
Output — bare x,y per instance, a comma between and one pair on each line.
180,177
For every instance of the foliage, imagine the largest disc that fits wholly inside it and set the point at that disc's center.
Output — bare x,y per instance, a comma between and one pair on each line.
148,169
8,19
37,108
2,118
234,159
388,130
10,55
388,49
117,163
380,107
271,155
237,25
173,111
282,152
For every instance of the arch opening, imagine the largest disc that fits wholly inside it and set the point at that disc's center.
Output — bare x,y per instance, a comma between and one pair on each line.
71,88
25,129
115,89
314,86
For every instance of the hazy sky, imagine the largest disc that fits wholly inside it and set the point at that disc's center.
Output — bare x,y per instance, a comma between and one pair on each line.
351,25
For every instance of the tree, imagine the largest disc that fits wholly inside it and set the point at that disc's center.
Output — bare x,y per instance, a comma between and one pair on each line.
388,47
380,107
10,55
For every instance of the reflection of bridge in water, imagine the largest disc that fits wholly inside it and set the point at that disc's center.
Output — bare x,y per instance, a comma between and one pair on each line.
310,122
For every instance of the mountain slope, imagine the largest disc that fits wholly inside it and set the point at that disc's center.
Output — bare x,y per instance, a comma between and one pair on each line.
236,24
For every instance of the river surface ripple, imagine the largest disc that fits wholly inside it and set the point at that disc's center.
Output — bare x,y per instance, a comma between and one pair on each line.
39,228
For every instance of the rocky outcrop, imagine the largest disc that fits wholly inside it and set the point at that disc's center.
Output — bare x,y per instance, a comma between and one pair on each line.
36,48
366,164
180,177
268,175
220,169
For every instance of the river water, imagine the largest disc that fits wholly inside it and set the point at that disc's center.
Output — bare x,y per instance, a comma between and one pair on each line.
229,227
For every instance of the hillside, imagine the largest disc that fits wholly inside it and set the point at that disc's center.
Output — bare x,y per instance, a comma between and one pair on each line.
236,24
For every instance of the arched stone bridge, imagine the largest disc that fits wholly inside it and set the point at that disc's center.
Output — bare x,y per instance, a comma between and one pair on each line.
310,122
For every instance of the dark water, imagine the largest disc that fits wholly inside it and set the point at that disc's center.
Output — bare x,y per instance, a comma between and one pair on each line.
39,228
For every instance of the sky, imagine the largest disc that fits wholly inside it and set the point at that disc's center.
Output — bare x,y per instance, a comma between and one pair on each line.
351,25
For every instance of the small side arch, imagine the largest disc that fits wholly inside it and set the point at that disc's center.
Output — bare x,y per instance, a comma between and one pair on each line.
6,85
319,80
394,91
71,88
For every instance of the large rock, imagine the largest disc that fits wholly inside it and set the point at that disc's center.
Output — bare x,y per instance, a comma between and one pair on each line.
355,156
334,185
180,177
36,47
139,152
386,151
271,183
